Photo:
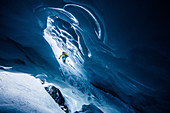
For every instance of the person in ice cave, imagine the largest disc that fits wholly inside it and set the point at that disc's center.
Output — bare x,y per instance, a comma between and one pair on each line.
64,55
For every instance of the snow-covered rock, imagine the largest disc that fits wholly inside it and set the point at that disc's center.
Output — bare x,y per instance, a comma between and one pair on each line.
57,96
20,92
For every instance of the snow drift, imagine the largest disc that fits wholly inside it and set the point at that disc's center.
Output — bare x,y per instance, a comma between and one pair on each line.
21,92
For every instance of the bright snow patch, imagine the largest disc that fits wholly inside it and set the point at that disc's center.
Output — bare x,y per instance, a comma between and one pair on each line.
20,92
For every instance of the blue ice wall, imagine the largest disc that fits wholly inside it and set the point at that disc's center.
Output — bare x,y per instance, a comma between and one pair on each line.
118,48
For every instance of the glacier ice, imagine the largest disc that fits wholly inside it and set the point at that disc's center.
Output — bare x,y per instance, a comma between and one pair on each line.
110,67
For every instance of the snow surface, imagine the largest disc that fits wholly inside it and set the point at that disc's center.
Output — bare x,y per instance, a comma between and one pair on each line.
20,92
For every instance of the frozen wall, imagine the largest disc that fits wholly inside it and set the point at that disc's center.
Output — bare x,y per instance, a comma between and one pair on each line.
118,50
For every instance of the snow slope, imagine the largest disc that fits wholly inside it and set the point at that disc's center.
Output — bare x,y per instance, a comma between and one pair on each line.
20,92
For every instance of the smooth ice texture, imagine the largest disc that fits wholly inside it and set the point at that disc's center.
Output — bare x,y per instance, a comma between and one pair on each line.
118,54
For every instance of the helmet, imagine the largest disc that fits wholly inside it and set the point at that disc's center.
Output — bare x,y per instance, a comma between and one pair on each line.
63,52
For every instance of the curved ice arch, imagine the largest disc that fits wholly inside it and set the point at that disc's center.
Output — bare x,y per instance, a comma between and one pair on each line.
98,32
43,13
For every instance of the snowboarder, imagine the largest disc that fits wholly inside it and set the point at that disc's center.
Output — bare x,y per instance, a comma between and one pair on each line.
64,55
